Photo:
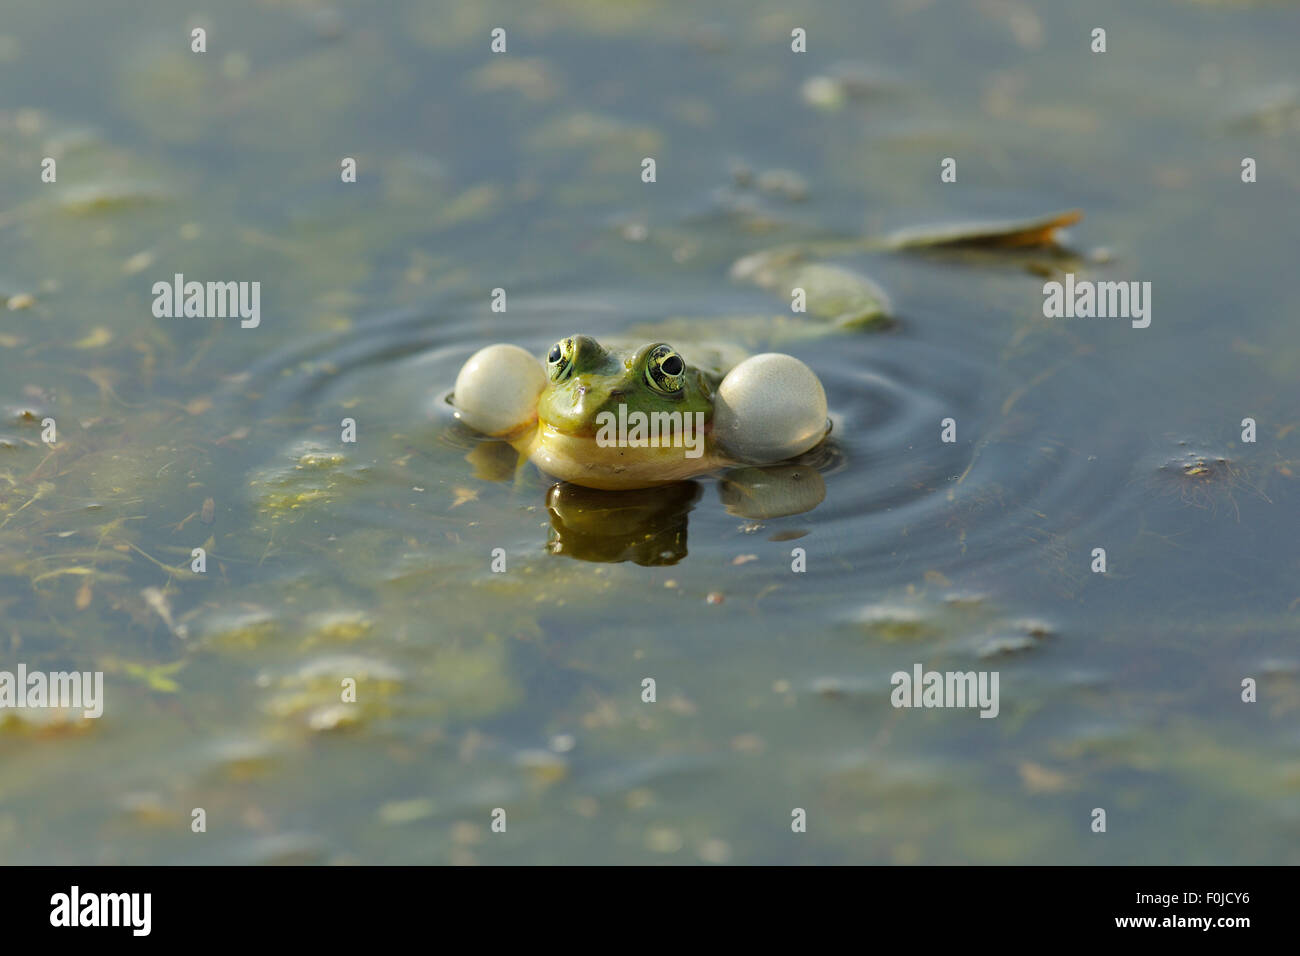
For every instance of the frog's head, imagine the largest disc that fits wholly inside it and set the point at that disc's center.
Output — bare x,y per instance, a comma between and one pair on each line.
596,399
585,379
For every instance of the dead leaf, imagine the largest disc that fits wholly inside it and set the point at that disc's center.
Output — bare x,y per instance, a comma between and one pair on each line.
1011,234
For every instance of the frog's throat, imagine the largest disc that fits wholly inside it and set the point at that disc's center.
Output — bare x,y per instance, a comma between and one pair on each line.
584,461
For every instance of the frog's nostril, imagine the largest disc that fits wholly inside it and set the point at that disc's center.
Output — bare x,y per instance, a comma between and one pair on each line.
617,392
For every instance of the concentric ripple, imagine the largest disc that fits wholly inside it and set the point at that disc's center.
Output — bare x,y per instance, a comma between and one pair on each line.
900,501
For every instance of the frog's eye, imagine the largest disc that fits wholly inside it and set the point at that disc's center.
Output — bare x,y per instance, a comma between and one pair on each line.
559,361
665,370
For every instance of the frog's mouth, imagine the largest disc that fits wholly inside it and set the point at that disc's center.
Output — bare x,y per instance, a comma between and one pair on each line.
685,432
586,431
590,458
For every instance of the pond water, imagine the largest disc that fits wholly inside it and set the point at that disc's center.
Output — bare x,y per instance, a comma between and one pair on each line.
371,560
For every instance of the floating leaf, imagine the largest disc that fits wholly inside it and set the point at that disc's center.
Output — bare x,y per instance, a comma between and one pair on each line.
848,299
844,297
1009,234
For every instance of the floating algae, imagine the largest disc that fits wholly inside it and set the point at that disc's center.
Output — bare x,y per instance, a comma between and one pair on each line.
843,298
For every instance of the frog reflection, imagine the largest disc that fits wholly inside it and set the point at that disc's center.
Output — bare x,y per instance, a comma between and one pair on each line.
648,526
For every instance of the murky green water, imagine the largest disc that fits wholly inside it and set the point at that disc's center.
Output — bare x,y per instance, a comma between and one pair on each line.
523,690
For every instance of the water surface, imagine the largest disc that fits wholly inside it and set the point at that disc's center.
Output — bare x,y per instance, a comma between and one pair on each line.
523,690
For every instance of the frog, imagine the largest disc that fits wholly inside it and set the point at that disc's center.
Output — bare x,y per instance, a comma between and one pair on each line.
618,417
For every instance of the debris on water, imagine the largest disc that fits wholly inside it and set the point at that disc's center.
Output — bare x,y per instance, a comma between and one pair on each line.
241,758
138,263
831,688
462,495
335,717
846,82
715,597
846,299
157,677
784,183
243,629
999,646
1034,627
158,602
530,77
635,231
543,766
397,812
1273,109
324,671
1008,234
338,626
893,622
96,197
320,459
1039,779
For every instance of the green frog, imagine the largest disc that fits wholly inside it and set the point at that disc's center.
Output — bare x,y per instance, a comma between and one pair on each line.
612,418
